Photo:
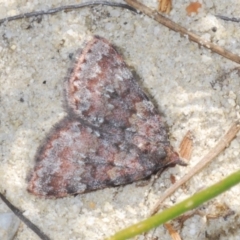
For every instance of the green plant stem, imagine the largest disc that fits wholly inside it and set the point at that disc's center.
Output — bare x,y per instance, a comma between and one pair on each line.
180,208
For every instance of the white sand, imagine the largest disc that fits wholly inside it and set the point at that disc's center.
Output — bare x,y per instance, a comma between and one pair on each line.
193,88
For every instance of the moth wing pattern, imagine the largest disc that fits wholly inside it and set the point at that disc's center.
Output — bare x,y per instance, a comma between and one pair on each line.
112,135
93,164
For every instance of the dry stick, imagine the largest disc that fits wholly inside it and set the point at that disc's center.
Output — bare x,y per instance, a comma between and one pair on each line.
65,8
228,18
183,31
19,214
214,152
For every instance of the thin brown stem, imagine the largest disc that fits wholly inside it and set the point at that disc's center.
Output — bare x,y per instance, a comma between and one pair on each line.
183,31
214,152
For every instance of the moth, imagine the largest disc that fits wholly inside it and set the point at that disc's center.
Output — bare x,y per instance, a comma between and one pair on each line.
112,134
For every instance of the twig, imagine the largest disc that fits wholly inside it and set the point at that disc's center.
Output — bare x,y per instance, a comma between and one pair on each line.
186,146
183,31
214,152
172,232
228,18
165,6
18,213
66,8
142,8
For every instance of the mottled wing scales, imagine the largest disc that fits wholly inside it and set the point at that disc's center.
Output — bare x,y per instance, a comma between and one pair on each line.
102,91
113,134
76,159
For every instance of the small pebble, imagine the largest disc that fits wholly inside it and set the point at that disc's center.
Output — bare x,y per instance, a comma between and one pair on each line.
9,224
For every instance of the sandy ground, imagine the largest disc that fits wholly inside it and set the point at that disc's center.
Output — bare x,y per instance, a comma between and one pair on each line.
193,88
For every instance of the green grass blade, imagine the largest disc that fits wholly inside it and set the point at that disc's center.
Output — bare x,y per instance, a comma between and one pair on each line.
178,209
